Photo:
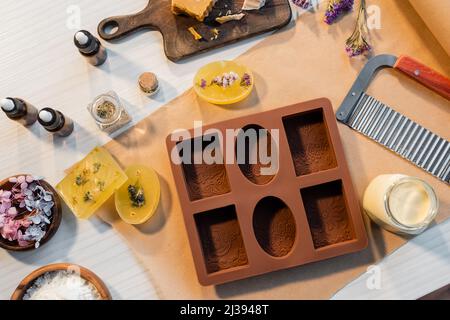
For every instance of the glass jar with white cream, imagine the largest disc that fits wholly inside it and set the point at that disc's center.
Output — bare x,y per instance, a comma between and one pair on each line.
400,203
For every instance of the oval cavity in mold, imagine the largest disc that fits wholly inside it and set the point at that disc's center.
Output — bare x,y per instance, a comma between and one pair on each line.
257,154
274,226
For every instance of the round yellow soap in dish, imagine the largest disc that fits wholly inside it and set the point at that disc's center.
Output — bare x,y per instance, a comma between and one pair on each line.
224,82
138,198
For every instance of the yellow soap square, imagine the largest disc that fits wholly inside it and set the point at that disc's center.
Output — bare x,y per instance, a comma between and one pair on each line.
91,182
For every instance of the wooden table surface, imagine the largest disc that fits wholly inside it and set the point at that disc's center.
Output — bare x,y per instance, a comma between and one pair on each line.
39,63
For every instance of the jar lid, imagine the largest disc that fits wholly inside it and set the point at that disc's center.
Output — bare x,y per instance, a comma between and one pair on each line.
106,109
394,195
148,82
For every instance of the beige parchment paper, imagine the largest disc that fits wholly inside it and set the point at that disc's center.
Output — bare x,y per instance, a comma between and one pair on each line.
435,14
302,62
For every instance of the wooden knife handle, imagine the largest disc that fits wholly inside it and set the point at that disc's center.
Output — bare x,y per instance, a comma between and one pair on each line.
425,75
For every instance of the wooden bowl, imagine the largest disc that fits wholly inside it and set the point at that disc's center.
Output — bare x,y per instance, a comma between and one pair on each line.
51,229
86,274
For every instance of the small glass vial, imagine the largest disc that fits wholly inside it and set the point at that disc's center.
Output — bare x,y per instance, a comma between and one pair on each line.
401,204
18,110
55,122
109,113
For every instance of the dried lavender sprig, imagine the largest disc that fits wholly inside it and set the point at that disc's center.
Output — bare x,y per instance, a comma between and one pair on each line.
357,44
336,8
304,4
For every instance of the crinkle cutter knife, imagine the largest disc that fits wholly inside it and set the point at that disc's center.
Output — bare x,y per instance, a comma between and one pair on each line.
396,132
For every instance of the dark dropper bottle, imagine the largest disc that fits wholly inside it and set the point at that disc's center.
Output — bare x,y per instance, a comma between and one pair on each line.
90,47
55,122
18,110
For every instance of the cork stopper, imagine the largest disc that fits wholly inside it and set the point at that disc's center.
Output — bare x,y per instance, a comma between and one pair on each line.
148,82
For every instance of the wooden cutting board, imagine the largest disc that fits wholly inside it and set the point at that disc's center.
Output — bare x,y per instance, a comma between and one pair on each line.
179,43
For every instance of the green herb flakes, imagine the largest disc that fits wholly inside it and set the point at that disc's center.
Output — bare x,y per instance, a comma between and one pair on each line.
101,185
97,167
136,195
82,178
88,197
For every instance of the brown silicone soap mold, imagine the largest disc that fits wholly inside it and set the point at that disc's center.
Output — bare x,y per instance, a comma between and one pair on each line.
241,223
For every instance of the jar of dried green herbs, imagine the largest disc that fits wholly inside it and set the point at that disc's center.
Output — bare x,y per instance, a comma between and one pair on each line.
109,112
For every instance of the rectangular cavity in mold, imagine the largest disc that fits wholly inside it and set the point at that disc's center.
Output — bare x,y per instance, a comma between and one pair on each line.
327,214
203,180
221,239
309,142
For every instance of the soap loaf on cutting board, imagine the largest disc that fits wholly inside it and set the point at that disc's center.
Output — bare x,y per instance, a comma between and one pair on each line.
199,9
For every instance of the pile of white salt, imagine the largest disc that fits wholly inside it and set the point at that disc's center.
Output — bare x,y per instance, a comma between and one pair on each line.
62,285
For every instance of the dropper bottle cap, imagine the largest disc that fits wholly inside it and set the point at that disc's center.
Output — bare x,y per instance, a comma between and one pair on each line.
46,116
13,107
82,39
86,42
50,119
7,105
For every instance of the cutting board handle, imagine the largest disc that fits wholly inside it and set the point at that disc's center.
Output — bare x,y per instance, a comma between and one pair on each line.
116,27
425,75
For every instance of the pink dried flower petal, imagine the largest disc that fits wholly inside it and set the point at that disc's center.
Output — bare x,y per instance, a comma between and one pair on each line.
6,194
4,207
12,212
10,229
23,243
21,179
23,185
26,222
13,179
20,239
29,179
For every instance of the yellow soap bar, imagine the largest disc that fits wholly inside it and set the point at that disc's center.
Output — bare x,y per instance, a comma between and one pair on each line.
146,182
199,9
207,88
91,183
